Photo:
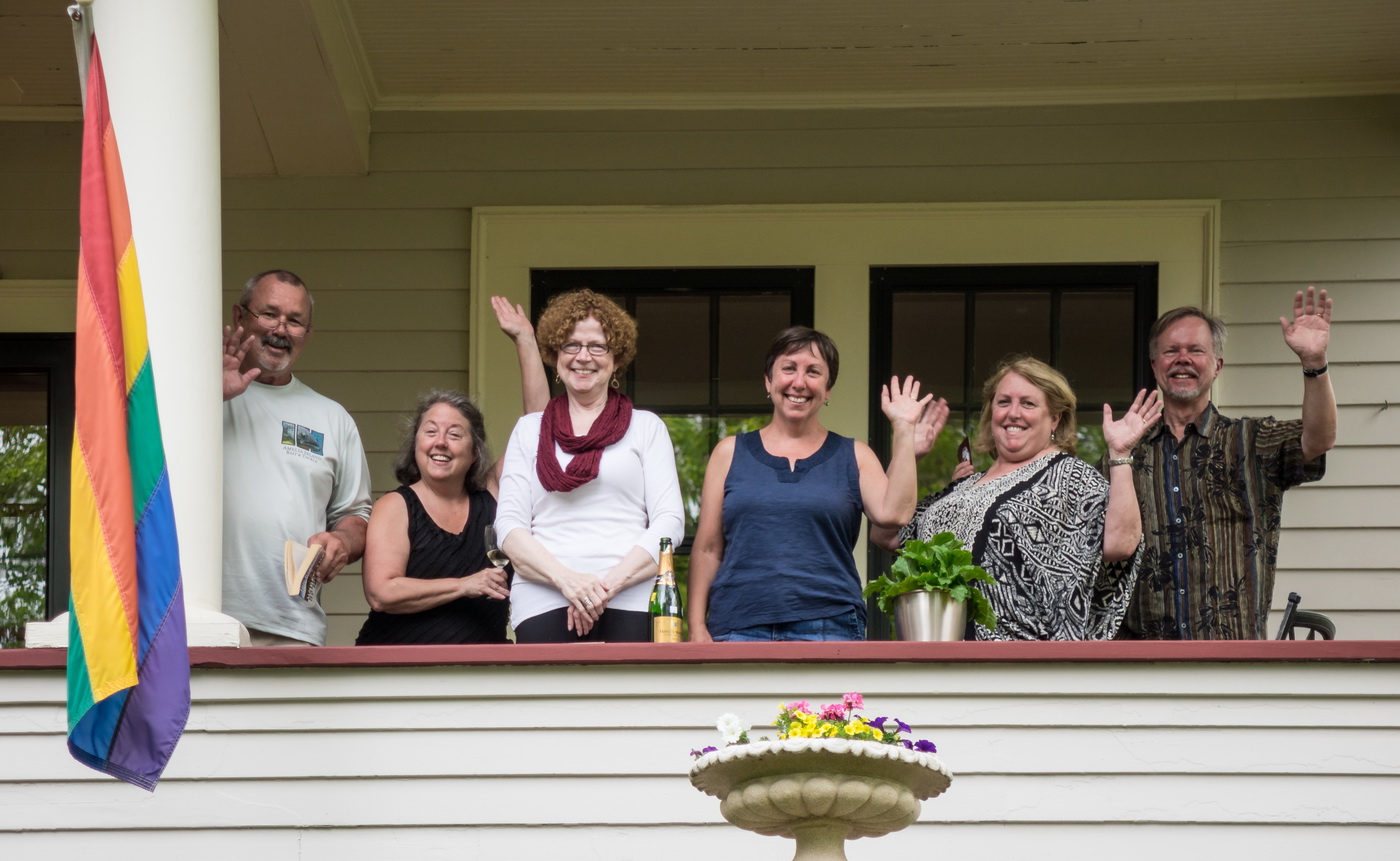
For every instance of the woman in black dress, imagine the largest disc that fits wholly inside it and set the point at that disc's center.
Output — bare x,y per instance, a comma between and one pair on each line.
426,574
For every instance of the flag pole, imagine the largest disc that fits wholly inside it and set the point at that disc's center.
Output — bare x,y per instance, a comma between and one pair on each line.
81,15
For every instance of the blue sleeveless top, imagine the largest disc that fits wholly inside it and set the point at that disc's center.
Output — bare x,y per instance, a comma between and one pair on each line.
788,537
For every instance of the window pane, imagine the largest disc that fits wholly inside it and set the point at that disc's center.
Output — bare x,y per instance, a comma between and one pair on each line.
693,437
673,358
747,326
926,334
1009,323
23,502
1096,346
1090,435
937,466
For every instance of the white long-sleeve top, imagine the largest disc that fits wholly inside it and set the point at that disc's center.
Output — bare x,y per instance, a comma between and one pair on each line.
635,500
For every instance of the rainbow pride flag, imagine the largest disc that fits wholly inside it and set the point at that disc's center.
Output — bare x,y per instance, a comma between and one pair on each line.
128,661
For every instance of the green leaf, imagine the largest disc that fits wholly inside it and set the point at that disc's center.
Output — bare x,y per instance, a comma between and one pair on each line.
940,564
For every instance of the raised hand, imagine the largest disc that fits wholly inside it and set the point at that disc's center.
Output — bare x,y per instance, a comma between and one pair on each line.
1120,436
901,403
930,425
1311,329
236,347
512,318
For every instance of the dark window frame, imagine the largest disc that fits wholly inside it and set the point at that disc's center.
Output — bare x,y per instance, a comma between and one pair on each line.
971,280
629,284
1057,279
53,354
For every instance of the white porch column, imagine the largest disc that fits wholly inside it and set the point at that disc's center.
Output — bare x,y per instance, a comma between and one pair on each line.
161,59
162,63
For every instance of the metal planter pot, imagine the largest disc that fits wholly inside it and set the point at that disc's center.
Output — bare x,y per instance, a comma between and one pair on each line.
930,617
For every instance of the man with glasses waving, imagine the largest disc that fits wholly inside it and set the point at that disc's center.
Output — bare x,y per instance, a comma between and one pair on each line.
294,466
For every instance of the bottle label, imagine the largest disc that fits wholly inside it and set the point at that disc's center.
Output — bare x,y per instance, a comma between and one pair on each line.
666,629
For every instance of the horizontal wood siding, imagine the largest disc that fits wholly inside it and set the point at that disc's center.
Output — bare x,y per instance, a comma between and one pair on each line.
1269,250
1310,193
453,761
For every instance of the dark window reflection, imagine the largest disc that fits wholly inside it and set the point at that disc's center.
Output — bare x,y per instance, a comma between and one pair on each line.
747,325
928,341
673,351
1096,344
1009,323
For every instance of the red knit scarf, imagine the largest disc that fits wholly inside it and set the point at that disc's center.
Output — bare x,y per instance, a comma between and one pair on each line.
558,427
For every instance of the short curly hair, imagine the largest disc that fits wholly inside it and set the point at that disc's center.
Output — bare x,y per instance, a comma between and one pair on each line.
567,310
406,464
1059,400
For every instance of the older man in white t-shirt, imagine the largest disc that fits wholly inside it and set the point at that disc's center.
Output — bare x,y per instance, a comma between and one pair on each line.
294,466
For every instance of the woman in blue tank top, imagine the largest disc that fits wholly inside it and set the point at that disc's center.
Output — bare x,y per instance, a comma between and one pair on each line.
781,507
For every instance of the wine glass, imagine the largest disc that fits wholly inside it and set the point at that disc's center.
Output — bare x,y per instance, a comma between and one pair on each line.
494,552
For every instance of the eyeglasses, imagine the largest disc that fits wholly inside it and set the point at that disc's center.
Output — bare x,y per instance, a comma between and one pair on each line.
573,348
271,321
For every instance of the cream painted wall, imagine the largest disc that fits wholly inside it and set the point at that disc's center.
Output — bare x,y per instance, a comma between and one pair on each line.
1308,191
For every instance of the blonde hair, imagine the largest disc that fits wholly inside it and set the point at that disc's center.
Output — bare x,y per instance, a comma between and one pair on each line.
1059,399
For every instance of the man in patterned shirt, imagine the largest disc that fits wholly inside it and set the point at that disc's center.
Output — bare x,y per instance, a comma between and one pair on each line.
1211,487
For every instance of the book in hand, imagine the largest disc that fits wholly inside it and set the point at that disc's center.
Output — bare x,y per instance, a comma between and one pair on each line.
300,564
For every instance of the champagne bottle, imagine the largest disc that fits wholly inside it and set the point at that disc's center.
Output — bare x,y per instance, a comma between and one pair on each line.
666,599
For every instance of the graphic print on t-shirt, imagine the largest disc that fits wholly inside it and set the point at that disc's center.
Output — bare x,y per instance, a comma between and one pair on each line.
303,437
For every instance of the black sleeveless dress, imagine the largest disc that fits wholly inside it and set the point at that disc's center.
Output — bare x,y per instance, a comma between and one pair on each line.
434,553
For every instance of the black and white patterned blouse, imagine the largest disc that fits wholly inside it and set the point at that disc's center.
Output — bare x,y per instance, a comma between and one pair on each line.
1039,532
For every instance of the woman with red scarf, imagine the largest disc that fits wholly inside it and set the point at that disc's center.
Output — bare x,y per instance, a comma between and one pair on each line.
588,487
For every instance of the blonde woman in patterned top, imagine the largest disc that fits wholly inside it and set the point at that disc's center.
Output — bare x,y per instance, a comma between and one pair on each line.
1061,541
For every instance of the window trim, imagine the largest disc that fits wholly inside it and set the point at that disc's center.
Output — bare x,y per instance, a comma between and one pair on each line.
797,282
692,281
51,353
887,281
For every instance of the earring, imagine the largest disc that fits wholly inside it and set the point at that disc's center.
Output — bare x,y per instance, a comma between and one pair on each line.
556,378
827,402
616,384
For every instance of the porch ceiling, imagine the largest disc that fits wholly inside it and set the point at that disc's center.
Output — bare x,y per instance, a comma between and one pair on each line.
301,79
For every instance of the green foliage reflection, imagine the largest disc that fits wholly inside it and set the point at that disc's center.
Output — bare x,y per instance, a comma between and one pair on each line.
23,529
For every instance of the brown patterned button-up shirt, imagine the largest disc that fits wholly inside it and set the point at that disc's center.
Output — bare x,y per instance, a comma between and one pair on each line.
1210,515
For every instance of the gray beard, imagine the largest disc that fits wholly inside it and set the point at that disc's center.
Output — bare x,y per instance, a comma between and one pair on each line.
281,344
1184,396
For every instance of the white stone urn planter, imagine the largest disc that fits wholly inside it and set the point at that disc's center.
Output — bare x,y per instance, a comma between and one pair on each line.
820,792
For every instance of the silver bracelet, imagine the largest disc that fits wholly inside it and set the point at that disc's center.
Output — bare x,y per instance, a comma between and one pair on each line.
1121,461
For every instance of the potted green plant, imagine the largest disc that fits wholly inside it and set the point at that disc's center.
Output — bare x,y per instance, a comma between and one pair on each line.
931,588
